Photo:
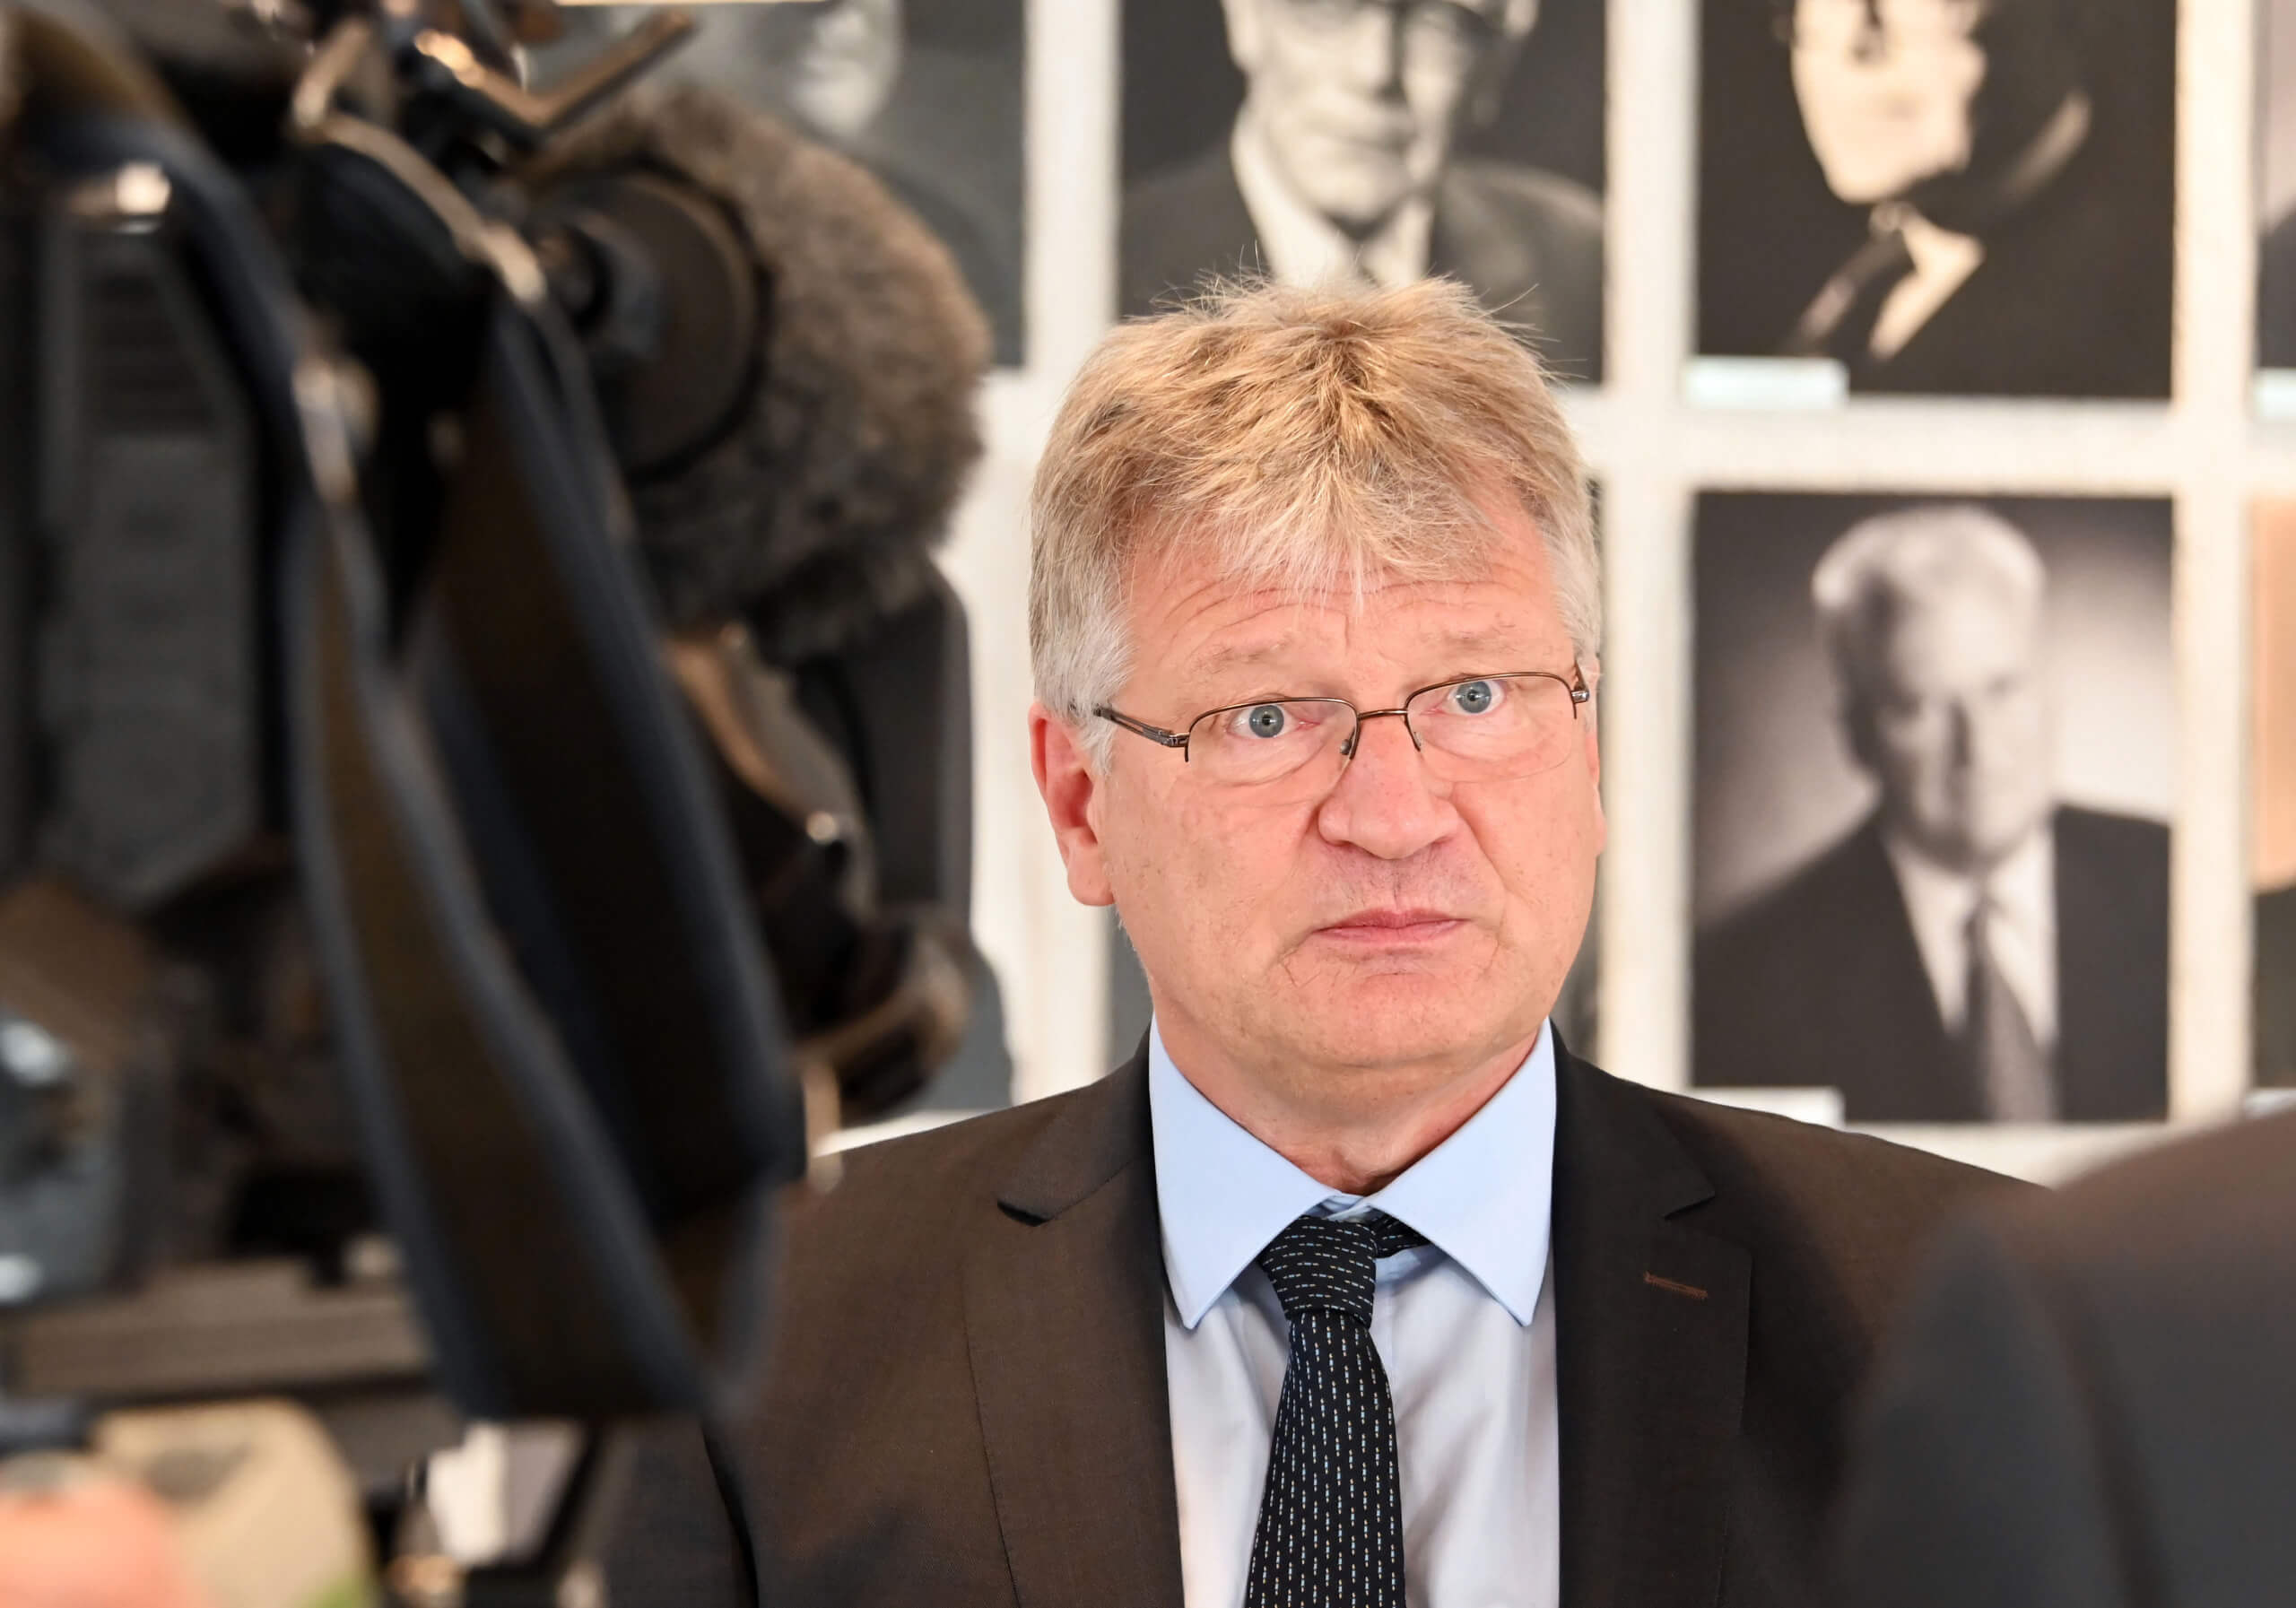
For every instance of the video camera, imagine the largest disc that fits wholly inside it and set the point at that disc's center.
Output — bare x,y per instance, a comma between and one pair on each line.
483,749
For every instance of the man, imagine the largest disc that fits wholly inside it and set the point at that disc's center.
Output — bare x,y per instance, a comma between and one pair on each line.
1972,950
1340,169
2020,235
2094,1401
1354,1285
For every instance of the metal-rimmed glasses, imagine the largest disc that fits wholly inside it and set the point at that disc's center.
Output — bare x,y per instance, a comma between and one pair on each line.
1518,723
1450,32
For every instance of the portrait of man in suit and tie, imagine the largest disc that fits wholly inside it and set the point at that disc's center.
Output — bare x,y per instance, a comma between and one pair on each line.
1969,945
1944,196
1353,1283
1365,142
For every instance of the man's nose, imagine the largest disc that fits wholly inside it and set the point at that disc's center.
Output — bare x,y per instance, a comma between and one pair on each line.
1385,802
1961,735
1371,49
1870,42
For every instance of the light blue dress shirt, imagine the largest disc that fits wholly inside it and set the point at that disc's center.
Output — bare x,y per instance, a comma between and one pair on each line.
1464,1326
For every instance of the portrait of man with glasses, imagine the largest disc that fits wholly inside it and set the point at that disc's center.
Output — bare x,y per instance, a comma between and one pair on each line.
1349,160
1354,1283
1965,196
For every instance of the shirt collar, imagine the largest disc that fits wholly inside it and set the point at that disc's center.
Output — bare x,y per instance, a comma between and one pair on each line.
2022,885
1483,1197
1303,247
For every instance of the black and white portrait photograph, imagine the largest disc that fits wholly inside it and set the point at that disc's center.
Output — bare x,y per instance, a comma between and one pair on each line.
1371,142
2276,186
1935,760
1945,197
2273,811
927,94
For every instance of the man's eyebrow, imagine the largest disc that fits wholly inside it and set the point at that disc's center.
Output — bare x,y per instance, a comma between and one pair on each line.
1477,642
1473,648
1236,656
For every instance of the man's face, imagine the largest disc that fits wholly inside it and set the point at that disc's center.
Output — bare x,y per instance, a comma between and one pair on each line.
831,62
1359,99
1885,88
1259,922
1954,721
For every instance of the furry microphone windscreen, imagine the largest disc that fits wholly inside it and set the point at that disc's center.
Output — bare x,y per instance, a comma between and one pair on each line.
813,515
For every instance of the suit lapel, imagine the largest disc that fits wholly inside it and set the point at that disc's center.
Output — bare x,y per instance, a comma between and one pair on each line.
1913,1072
1064,1319
1651,1319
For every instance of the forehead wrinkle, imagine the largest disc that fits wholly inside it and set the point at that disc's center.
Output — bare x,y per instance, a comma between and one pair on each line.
1325,629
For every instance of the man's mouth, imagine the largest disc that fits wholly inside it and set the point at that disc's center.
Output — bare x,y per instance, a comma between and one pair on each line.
1391,927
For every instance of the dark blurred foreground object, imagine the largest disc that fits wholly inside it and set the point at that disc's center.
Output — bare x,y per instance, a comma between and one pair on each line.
335,366
2093,1401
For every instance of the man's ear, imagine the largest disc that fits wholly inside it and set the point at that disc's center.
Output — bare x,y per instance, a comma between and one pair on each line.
1590,718
1071,801
1247,33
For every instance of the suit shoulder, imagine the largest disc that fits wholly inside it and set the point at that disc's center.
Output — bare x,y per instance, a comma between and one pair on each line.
1847,1213
1806,1159
1805,904
1532,197
897,1195
2129,837
1178,224
1176,194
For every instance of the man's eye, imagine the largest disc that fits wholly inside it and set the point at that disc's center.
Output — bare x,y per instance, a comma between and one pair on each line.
1475,698
1266,720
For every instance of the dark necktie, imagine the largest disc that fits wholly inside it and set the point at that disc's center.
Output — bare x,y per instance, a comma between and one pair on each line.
2006,1060
1839,322
1331,1519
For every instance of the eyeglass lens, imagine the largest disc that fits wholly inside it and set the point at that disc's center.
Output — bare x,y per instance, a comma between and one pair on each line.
1444,25
1835,24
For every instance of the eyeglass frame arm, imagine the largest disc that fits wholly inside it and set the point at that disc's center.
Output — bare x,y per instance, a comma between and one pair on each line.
1154,733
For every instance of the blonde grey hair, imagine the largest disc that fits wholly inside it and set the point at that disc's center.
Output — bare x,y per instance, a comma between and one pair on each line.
1313,439
1883,568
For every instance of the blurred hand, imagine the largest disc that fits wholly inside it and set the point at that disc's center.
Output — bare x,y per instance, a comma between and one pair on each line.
103,1544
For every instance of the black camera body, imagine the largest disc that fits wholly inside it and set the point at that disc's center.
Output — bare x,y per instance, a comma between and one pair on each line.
375,851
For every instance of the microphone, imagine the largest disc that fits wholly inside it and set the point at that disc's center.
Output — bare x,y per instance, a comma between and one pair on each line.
786,360
794,476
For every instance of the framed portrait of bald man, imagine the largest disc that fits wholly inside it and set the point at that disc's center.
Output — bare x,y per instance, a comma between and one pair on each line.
1371,142
1935,758
1941,197
927,94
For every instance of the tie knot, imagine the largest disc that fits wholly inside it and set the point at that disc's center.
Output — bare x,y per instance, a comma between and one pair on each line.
1325,1265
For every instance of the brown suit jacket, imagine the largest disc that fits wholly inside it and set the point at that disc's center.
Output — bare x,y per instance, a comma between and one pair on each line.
967,1405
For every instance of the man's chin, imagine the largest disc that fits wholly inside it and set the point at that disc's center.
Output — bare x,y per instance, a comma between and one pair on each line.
1397,1020
1358,194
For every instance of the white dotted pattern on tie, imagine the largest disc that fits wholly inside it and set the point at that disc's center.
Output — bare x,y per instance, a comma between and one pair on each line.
1330,1528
